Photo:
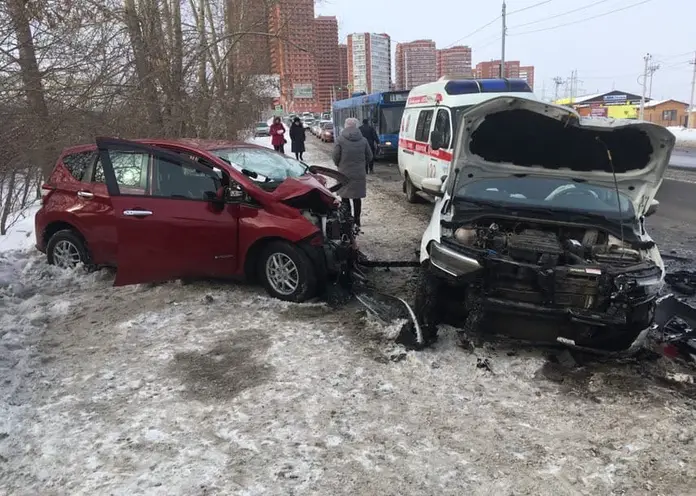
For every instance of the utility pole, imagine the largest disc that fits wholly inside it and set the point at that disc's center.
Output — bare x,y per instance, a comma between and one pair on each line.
652,69
641,114
502,56
693,87
573,84
558,81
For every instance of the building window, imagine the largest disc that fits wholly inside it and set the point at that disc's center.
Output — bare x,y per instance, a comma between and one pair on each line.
669,115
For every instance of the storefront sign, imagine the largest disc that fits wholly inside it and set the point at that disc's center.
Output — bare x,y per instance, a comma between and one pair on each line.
599,112
615,99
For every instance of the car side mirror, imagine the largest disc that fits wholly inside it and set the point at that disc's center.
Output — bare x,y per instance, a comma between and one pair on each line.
436,139
432,186
654,205
233,193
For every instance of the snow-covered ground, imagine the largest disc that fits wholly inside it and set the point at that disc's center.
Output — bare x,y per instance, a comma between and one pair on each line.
686,138
216,389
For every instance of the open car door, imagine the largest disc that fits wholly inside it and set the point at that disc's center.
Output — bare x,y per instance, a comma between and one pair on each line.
168,222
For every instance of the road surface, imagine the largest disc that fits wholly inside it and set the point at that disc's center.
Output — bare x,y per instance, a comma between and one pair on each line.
683,159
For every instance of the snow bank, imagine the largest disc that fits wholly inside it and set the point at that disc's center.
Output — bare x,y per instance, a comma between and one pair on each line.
685,137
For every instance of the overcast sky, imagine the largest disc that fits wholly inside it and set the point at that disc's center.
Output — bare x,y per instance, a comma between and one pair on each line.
607,51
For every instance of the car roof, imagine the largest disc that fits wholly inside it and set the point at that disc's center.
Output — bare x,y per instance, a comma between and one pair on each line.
191,144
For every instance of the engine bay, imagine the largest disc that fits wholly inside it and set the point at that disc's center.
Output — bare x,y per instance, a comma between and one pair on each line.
547,245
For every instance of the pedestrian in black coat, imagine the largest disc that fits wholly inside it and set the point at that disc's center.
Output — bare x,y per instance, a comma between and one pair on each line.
372,138
297,136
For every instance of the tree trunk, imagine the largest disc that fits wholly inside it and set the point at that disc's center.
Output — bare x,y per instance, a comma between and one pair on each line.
7,206
143,67
31,77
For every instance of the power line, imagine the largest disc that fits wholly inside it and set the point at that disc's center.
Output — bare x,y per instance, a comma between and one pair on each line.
584,20
544,2
555,16
473,32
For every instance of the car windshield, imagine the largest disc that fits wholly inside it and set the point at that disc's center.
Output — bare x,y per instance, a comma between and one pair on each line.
390,120
266,163
552,194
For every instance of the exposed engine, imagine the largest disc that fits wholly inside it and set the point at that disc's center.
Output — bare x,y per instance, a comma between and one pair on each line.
548,245
553,265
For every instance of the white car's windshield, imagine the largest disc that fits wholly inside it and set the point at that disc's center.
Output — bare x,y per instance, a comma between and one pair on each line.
266,163
555,194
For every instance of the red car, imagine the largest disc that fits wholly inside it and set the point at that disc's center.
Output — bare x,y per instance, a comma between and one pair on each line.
163,210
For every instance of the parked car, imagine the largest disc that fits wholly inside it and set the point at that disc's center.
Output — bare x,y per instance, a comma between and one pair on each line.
539,228
262,129
308,122
316,129
163,210
327,132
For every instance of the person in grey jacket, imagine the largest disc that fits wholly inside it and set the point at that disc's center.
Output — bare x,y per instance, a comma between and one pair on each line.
351,154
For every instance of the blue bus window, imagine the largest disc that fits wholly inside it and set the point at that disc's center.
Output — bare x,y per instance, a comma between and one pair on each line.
462,87
519,85
493,85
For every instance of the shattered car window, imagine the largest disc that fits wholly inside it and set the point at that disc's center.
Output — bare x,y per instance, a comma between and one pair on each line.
558,194
266,163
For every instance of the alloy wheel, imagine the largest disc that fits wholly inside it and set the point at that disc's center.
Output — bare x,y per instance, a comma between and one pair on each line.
66,255
282,274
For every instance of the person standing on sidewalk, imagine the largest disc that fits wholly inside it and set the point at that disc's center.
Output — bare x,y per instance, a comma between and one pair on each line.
351,155
370,135
298,137
278,135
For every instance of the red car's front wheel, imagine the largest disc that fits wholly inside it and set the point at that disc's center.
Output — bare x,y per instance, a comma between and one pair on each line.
287,273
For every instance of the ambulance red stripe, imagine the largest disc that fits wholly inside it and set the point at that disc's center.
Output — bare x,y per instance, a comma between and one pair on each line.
424,148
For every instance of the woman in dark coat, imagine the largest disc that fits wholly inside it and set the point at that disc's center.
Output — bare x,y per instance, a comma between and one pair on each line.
351,153
297,136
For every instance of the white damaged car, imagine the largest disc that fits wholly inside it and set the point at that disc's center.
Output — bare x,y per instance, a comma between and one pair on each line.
538,231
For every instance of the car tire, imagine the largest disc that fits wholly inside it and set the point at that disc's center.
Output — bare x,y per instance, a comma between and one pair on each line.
427,309
287,272
66,249
410,190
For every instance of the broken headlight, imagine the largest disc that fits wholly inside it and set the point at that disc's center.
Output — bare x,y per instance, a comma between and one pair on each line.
451,262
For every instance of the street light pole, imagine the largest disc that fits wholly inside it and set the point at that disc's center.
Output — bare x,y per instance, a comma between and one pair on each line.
641,114
502,56
693,87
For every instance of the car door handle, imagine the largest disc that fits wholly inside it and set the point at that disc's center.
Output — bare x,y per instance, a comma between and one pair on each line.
137,213
85,194
433,159
408,151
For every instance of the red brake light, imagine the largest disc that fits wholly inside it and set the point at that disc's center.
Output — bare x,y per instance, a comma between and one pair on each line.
46,189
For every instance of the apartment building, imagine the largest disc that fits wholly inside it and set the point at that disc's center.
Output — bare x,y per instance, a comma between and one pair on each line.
454,62
369,62
416,63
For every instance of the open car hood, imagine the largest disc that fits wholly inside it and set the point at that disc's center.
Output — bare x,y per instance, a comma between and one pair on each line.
513,136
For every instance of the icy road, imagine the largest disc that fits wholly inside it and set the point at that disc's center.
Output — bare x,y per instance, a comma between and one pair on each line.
216,389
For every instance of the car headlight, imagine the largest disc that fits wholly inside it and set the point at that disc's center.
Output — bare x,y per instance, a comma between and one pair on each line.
451,262
388,143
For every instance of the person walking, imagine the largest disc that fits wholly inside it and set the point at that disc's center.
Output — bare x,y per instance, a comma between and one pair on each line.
278,135
297,136
351,154
370,135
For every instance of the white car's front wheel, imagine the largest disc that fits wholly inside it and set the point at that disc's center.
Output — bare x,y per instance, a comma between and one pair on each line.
410,190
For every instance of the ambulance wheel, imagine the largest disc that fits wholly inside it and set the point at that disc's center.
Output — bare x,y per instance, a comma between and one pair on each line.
410,190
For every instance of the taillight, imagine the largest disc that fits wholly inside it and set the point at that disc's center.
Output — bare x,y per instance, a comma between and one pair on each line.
46,190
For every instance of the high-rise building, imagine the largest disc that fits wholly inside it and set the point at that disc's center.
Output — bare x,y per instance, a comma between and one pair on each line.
416,63
294,62
454,62
527,73
326,55
342,89
252,53
491,70
369,62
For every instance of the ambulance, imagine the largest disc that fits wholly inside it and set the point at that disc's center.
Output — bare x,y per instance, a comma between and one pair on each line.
429,124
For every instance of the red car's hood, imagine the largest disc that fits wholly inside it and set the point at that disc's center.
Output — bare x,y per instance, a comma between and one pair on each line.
295,187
